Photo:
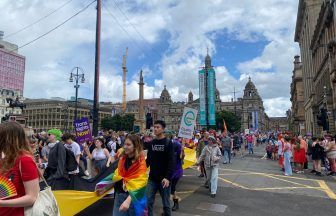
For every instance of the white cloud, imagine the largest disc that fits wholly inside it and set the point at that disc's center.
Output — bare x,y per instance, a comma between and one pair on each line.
276,106
192,26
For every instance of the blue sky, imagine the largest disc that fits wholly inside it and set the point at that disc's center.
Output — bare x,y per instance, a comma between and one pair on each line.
167,39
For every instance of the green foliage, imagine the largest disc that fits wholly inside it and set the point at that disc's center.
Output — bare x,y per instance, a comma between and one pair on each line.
118,122
233,122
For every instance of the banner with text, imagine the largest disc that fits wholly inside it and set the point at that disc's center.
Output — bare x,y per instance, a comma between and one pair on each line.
202,110
211,96
188,122
83,130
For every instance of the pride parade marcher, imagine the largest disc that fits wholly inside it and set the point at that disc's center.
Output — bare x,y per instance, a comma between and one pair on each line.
331,155
55,173
250,142
201,144
211,155
317,156
280,145
100,154
17,164
178,172
287,154
130,180
299,154
160,159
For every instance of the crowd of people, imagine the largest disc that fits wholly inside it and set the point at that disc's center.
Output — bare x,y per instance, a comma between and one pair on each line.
298,153
61,160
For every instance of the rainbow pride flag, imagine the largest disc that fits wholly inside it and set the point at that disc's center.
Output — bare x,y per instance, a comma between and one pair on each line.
135,182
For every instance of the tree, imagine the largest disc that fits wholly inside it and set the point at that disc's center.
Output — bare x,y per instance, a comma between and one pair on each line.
118,122
233,122
127,122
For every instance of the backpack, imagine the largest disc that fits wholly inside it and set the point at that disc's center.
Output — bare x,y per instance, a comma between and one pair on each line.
70,161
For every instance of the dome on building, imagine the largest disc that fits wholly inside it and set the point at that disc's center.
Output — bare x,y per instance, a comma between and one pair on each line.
250,90
165,96
250,85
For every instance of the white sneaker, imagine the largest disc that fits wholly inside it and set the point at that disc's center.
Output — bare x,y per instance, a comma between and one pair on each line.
86,173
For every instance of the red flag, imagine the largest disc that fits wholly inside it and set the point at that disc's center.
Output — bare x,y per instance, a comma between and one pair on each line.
224,125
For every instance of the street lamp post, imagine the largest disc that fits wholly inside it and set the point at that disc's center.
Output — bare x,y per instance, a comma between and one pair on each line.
77,75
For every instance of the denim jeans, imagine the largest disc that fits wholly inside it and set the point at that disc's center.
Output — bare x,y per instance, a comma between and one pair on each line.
212,178
227,154
250,147
118,200
287,163
152,188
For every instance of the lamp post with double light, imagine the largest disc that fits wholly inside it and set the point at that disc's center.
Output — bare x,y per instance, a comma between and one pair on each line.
77,73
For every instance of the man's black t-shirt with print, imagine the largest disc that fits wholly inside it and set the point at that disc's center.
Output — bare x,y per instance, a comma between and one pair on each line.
160,158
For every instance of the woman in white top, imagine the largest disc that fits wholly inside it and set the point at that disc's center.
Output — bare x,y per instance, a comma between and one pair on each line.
99,155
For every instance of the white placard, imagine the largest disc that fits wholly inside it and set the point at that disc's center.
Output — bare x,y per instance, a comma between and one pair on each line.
188,122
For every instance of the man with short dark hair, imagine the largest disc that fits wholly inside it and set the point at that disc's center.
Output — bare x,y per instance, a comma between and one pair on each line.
70,144
160,158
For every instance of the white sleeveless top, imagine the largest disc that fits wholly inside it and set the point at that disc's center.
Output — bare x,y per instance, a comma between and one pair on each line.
98,154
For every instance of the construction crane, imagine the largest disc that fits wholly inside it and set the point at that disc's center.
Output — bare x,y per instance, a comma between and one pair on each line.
124,80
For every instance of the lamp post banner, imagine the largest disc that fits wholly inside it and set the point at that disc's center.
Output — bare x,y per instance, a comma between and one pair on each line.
83,130
188,123
211,97
202,119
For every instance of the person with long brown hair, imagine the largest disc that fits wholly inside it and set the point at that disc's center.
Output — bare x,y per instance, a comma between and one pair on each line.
18,165
130,180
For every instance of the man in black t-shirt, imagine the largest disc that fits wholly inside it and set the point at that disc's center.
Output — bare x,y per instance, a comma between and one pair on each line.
160,158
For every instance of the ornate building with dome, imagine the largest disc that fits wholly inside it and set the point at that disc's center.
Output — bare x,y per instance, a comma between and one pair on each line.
249,108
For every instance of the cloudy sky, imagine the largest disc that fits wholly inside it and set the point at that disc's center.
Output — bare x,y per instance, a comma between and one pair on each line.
166,39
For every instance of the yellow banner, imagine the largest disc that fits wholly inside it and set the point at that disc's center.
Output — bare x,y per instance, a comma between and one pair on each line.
72,202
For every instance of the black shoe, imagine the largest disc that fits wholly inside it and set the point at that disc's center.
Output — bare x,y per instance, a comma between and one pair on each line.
213,195
176,205
318,173
313,171
201,175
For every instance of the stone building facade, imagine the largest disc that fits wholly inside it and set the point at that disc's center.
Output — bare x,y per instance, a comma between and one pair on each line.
278,124
45,114
315,33
297,117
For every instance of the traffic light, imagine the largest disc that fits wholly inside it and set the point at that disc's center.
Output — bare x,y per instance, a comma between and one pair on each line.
149,121
319,120
91,113
322,119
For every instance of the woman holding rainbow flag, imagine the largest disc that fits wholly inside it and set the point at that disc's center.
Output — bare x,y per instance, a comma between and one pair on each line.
129,180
